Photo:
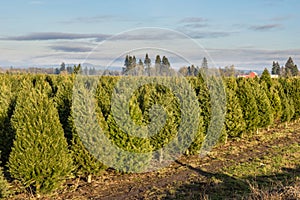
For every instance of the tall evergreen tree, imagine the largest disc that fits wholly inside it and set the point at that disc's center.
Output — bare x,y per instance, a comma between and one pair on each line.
62,67
130,66
204,63
291,67
276,68
40,158
158,65
140,68
147,63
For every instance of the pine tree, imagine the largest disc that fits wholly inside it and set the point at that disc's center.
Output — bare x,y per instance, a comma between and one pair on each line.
147,63
267,85
62,67
196,145
234,123
63,100
158,65
204,63
286,103
266,77
140,68
294,94
275,101
4,187
134,150
291,67
166,66
39,158
85,125
204,99
7,104
265,114
276,68
216,131
247,101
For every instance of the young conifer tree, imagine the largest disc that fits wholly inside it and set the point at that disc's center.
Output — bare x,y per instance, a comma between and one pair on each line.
248,103
63,100
268,85
126,132
286,104
234,121
204,99
196,145
40,158
3,185
85,123
295,94
265,114
6,104
288,93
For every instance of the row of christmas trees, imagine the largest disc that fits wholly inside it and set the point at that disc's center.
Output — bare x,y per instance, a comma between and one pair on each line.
40,122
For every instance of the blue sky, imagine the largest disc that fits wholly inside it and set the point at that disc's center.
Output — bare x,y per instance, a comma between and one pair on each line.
248,34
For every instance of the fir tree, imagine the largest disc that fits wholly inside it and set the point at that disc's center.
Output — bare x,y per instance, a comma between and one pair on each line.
204,99
166,67
204,64
276,68
234,122
158,65
39,157
266,83
85,127
266,77
291,67
7,104
196,145
247,101
126,133
140,68
286,103
265,114
4,187
294,95
63,100
147,63
62,67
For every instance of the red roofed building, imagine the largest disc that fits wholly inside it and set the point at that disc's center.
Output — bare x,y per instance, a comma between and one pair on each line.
251,75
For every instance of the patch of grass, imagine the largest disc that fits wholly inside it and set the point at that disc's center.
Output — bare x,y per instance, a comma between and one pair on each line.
278,158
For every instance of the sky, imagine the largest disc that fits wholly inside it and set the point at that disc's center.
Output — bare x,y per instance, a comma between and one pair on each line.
246,34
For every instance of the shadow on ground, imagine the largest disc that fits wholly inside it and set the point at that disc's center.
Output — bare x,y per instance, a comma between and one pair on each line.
222,186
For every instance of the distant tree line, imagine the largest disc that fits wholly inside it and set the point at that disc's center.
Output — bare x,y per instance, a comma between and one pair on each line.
290,69
162,66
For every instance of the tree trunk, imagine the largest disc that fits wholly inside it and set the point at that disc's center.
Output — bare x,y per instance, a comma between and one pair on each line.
89,179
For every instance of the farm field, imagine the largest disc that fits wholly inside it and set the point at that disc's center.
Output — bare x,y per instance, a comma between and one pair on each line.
153,100
262,166
51,147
